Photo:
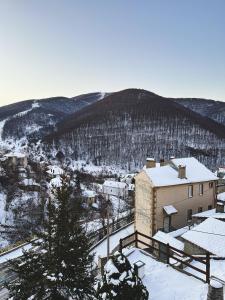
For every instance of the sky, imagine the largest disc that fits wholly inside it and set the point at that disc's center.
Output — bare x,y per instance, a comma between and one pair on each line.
175,48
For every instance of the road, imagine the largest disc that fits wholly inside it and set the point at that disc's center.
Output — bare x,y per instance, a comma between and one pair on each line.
4,294
6,274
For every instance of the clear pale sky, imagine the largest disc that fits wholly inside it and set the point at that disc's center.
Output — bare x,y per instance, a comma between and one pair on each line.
68,47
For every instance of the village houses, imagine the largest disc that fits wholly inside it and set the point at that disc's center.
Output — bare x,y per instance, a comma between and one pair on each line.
115,188
167,194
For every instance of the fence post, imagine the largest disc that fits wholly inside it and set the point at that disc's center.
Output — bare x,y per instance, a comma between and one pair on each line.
207,267
136,238
167,253
120,246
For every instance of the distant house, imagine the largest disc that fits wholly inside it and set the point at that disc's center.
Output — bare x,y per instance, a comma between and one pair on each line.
167,194
89,197
221,179
115,188
206,237
16,160
55,171
29,184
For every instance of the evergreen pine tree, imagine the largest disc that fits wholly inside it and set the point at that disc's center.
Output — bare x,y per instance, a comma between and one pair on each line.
120,281
59,264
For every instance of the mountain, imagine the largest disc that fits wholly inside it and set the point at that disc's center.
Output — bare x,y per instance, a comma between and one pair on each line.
125,127
32,119
214,110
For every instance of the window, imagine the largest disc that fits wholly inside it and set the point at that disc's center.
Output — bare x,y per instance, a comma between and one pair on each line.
211,185
190,191
189,214
200,209
209,207
201,189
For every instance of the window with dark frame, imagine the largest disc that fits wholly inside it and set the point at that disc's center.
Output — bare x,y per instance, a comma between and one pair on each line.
201,189
209,207
200,209
189,214
211,185
190,191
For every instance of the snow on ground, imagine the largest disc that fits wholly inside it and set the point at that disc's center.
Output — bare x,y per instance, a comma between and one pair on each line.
2,207
119,205
101,249
165,283
17,145
82,165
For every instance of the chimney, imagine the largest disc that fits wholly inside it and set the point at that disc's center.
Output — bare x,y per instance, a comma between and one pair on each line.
162,162
219,207
150,163
181,171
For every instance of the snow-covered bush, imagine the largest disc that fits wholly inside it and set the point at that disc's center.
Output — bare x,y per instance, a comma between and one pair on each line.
120,281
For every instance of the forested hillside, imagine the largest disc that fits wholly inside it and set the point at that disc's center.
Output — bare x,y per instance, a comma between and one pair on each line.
126,126
32,119
214,110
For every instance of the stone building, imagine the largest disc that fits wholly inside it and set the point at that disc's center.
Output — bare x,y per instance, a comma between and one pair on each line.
168,193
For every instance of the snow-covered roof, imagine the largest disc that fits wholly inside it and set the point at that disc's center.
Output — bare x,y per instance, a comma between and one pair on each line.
29,181
56,182
165,238
115,184
169,209
221,197
55,170
15,154
168,175
178,232
89,193
150,159
209,235
210,214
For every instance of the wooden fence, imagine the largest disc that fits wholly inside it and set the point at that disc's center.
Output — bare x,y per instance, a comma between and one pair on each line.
165,252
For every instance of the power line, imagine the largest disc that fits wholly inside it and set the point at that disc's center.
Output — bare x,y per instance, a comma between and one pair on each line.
206,232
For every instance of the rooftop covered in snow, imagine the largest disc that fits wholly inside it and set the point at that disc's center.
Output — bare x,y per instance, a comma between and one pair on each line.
165,238
169,210
209,235
89,193
15,154
55,170
168,175
210,214
115,184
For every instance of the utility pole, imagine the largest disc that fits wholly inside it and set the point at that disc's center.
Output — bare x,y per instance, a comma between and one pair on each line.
108,235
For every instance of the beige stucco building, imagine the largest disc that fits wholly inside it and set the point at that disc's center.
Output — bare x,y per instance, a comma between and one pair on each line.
167,194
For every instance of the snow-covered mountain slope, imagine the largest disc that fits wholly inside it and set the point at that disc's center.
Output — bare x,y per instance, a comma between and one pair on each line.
32,119
126,126
214,110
